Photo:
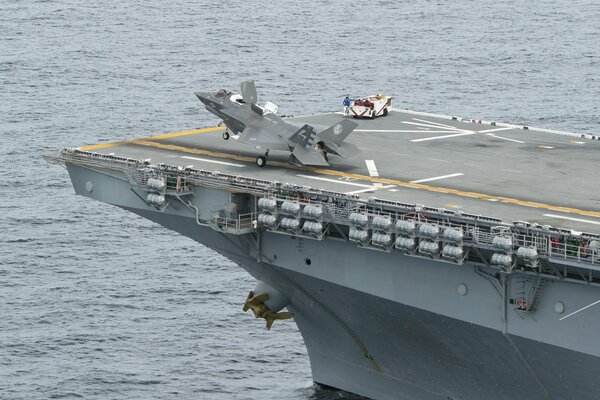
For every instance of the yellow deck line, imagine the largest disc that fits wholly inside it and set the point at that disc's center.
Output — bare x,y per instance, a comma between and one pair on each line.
157,137
419,186
101,146
173,147
186,133
463,193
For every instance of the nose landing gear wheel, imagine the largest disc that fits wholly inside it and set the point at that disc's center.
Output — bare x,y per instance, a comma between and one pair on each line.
261,161
225,135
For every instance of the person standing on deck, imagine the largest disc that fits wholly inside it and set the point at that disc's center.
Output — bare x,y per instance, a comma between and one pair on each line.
347,101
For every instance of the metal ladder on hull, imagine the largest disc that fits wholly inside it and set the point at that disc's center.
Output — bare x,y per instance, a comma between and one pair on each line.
529,293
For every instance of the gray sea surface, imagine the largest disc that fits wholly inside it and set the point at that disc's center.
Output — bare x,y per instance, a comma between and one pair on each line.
98,303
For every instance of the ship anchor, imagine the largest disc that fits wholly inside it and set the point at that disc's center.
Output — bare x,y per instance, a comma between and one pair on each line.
256,303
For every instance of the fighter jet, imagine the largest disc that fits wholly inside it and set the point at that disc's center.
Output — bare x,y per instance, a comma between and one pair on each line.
259,127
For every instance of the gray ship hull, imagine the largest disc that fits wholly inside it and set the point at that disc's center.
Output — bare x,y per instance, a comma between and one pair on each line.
390,326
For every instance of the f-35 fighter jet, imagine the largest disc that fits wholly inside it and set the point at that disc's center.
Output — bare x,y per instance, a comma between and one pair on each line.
259,127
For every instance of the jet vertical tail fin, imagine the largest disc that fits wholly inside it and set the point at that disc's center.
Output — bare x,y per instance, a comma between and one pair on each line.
337,133
333,137
305,136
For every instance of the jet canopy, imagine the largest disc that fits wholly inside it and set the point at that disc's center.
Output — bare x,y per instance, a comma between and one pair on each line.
222,93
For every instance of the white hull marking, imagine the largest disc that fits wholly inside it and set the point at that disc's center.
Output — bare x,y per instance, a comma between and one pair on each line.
581,309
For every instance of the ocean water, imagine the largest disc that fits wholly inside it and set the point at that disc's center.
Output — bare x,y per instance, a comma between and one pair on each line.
97,303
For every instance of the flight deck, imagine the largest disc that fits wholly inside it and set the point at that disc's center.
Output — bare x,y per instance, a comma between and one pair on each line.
496,170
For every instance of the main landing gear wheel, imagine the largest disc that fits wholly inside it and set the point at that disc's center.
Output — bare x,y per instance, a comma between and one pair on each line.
261,161
225,135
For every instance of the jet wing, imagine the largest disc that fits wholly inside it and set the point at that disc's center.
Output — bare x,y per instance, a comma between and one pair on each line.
309,157
263,139
344,150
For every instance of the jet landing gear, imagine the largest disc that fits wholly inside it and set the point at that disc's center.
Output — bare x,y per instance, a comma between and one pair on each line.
261,161
226,135
321,149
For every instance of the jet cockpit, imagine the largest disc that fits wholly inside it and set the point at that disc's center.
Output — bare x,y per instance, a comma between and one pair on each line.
222,93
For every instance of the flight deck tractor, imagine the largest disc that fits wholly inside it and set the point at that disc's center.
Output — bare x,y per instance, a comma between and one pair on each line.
370,106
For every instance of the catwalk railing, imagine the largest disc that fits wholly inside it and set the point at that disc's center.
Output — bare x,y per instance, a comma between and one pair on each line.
517,242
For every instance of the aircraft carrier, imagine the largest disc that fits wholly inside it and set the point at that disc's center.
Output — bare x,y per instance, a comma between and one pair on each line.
451,259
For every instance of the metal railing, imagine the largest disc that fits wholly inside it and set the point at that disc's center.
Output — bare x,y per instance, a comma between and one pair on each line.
243,222
576,252
479,231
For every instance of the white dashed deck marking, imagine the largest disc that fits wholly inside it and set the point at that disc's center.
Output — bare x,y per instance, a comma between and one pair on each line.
504,138
495,130
439,127
212,161
437,124
435,178
434,127
400,131
444,136
372,168
342,182
587,221
371,189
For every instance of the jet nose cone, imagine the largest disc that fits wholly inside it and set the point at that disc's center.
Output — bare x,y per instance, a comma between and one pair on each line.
203,96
